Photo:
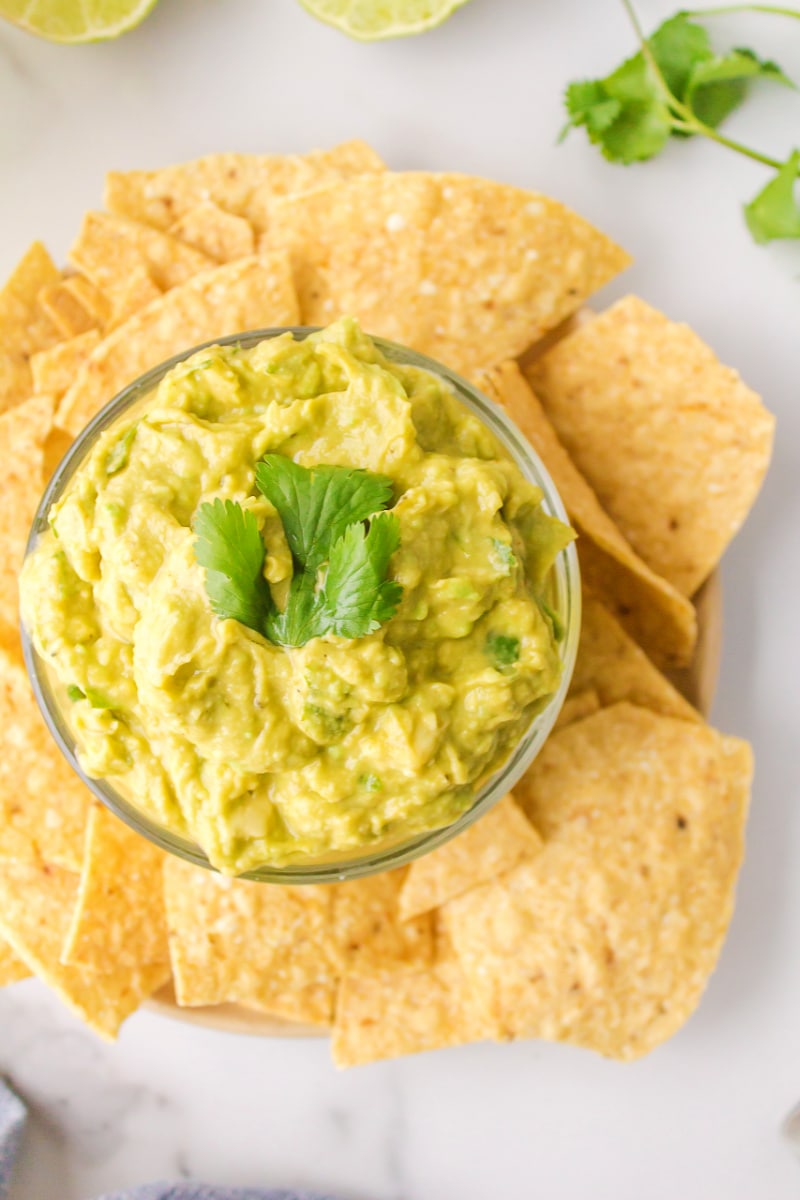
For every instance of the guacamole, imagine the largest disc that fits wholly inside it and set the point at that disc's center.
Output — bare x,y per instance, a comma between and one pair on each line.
284,754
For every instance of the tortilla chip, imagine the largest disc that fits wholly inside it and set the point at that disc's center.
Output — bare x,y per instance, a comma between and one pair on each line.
35,907
282,949
24,327
264,945
494,844
464,269
249,294
608,937
54,370
15,380
138,292
691,442
23,431
241,184
75,305
218,234
612,665
577,706
573,321
653,612
12,968
370,928
395,1013
119,918
43,804
11,643
109,249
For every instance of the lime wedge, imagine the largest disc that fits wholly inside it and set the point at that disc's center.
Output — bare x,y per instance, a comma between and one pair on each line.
369,20
71,21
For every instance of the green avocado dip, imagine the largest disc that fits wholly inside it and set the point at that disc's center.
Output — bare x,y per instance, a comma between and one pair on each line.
382,717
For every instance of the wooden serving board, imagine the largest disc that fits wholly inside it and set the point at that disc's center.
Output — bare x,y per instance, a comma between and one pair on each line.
697,682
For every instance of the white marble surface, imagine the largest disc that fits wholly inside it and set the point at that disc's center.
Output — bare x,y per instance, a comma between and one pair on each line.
700,1119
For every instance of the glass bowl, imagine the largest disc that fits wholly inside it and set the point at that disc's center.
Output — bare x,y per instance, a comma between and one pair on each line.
566,597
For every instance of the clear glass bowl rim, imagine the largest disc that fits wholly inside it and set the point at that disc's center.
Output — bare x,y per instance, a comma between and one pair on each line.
568,593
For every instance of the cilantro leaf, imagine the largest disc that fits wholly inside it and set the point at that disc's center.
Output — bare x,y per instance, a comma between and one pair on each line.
775,211
355,598
678,45
304,617
624,114
230,548
718,85
317,504
339,585
631,113
356,592
502,650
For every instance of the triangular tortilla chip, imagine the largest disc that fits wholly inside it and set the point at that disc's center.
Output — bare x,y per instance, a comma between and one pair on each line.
264,945
242,184
608,937
54,370
282,949
43,804
248,294
494,844
119,918
466,270
35,907
24,327
138,291
611,664
655,614
394,1013
372,931
109,249
23,431
691,442
12,968
577,706
218,234
75,305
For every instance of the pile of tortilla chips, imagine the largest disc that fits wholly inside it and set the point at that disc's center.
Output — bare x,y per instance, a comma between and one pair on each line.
591,906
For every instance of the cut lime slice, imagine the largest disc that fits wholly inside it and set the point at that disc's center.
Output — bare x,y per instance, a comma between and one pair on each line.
76,20
369,20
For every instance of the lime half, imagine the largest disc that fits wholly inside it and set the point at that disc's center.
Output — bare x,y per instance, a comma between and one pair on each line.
373,19
76,20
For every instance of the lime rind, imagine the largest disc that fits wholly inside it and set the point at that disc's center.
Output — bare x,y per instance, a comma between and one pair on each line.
374,20
76,21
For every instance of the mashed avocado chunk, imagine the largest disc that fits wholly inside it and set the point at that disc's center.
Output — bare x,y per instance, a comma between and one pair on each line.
275,754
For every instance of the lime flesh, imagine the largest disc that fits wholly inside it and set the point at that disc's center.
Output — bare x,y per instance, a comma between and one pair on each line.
369,20
76,20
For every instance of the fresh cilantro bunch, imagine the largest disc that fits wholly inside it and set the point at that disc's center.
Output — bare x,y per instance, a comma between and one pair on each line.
341,541
677,86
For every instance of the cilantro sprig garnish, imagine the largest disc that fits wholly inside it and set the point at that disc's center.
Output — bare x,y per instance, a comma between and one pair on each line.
340,537
676,86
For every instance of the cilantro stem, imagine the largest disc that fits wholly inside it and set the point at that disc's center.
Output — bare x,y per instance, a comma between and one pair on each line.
683,118
774,9
720,138
671,100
